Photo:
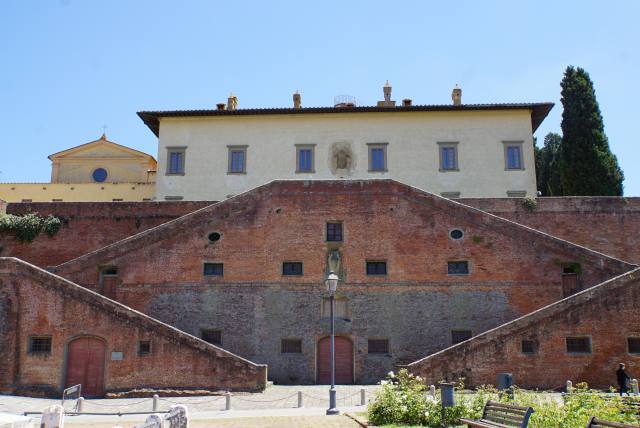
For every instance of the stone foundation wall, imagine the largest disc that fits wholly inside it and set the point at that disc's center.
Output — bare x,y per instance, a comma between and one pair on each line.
607,313
610,225
43,304
513,271
87,226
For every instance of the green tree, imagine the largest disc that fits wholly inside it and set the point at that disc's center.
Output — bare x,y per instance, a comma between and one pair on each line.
548,166
587,166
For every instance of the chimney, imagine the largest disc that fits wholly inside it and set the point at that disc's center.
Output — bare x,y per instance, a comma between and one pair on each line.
221,106
386,90
456,96
406,102
297,100
232,102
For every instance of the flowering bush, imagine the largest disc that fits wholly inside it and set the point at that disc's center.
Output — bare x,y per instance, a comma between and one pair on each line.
27,227
404,399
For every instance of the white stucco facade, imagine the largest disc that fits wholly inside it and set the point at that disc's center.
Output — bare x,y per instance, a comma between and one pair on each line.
411,139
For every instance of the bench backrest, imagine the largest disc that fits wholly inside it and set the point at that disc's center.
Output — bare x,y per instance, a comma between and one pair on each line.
597,423
507,414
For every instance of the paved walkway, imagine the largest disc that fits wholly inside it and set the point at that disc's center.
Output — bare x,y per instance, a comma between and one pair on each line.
276,401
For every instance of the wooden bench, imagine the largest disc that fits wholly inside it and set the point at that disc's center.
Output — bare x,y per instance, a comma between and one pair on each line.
597,423
501,415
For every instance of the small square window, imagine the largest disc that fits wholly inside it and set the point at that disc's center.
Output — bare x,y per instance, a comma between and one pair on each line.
292,268
291,346
212,336
377,157
334,232
458,336
237,159
213,269
376,268
579,345
633,344
110,271
448,156
144,347
458,268
175,160
378,346
304,158
40,345
528,346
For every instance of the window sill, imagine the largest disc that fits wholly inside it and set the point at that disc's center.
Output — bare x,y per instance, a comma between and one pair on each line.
379,355
514,169
236,173
458,274
449,170
306,172
379,170
378,275
174,173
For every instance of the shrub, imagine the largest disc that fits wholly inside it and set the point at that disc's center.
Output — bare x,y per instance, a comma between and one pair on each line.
403,399
27,227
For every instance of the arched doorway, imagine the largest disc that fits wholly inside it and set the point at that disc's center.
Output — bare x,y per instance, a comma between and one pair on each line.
343,358
85,365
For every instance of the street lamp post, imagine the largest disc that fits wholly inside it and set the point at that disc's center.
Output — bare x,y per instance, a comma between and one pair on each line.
332,284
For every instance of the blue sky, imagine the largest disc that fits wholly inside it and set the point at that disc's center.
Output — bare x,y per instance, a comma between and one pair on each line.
69,66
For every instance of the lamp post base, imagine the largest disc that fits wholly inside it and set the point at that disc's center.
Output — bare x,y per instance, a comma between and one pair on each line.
332,410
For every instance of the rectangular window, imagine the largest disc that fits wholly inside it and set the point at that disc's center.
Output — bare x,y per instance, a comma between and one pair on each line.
376,268
378,346
291,346
633,344
175,160
458,336
305,158
448,156
528,347
292,268
213,269
40,345
458,268
513,155
579,345
341,308
144,348
450,195
378,157
212,336
237,159
334,232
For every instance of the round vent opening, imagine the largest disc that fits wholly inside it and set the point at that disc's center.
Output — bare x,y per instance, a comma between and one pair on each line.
214,236
456,234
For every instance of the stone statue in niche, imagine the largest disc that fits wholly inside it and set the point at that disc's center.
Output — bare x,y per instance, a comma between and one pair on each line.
342,160
333,261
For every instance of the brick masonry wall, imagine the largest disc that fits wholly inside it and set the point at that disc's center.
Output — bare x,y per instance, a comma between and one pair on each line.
88,226
610,225
607,313
514,271
35,302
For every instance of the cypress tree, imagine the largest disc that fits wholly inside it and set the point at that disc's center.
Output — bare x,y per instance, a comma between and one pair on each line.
587,166
547,166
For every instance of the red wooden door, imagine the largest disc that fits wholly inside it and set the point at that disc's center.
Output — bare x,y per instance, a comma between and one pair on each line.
85,365
343,358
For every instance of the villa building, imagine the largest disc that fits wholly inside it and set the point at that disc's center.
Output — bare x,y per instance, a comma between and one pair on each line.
456,150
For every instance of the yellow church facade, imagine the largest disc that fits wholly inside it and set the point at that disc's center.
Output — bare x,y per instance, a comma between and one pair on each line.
98,171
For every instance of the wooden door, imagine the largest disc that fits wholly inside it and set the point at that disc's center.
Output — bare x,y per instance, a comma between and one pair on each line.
569,284
343,359
85,365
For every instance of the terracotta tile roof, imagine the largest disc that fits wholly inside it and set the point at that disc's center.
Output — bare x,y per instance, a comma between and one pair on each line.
538,111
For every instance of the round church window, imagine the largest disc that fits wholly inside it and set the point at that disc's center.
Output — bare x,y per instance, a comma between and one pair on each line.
99,175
